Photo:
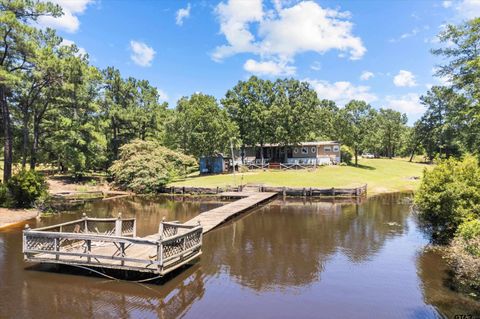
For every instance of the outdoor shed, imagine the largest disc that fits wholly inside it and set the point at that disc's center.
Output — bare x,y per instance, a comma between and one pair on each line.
214,164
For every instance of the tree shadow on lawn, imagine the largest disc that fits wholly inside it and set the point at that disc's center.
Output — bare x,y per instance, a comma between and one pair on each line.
367,167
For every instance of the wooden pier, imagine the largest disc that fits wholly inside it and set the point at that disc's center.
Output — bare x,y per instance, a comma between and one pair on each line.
217,216
112,242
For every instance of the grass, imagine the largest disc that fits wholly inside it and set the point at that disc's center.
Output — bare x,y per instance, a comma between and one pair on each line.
381,175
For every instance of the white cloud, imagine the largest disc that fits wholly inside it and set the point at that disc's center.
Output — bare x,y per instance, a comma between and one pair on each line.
366,75
409,103
182,14
404,78
81,51
406,35
142,54
468,9
268,68
447,4
342,92
282,33
234,19
68,21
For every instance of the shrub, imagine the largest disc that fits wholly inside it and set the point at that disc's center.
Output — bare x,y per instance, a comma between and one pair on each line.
146,166
464,255
469,233
346,154
448,195
4,196
26,187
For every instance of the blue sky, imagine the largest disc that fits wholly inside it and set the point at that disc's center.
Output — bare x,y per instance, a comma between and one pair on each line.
378,51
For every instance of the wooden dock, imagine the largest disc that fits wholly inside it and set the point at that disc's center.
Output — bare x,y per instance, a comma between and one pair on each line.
112,242
212,218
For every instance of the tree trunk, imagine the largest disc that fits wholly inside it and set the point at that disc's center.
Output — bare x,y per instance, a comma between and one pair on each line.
7,132
25,140
261,154
243,154
356,157
285,154
34,146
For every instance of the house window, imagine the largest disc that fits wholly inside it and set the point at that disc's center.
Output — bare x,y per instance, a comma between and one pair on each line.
336,148
327,148
295,150
313,149
304,150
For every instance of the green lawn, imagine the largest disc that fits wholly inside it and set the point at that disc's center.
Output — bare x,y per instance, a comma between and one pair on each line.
381,175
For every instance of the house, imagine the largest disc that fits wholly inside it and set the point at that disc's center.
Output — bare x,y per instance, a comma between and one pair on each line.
215,164
304,153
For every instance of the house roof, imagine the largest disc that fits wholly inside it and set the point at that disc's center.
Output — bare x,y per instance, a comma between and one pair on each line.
314,143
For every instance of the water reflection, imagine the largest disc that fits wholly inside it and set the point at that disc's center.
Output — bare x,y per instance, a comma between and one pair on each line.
287,259
288,244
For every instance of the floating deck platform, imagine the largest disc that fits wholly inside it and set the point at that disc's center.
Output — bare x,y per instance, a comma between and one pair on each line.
112,242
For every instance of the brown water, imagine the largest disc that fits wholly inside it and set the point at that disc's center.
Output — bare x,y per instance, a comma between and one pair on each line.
284,260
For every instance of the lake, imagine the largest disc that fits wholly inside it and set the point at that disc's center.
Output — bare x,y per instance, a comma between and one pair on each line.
288,259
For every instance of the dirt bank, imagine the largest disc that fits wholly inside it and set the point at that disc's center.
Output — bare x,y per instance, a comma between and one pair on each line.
10,217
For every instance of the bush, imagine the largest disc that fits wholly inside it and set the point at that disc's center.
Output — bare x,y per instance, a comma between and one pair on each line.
464,255
25,188
146,166
346,154
448,195
4,196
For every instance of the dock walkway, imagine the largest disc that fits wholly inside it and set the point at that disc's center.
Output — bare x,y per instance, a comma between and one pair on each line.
212,218
112,242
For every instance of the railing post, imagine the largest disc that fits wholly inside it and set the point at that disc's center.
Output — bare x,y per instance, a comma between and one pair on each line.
27,229
89,249
160,227
134,227
122,252
57,248
85,220
118,225
160,255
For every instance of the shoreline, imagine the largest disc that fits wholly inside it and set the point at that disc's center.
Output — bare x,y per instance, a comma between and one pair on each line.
11,217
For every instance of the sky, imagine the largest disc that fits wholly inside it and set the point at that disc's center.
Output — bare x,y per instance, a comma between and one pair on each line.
377,51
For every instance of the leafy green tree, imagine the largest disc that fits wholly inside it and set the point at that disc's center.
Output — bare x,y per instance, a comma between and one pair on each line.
391,125
146,166
440,125
462,69
17,48
356,122
25,187
293,112
74,140
29,97
325,127
449,194
249,105
199,127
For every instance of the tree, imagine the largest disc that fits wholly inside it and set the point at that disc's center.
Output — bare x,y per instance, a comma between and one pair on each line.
36,81
17,48
391,125
293,111
199,127
325,121
146,166
442,127
462,70
249,105
355,125
448,195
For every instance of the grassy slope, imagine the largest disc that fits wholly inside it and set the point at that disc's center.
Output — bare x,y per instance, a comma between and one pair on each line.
381,175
